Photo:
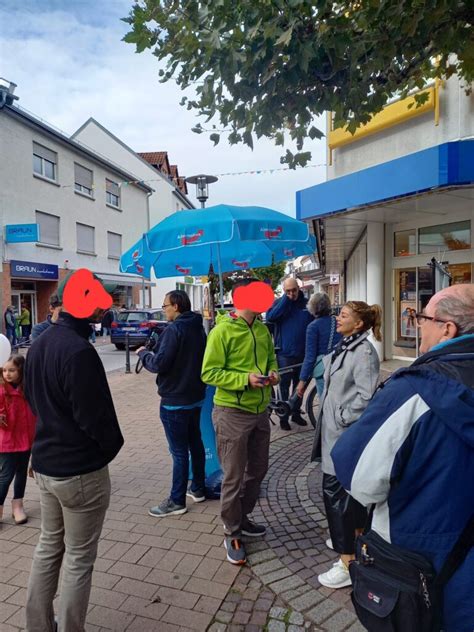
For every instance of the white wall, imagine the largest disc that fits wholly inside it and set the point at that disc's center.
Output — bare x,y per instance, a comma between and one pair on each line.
356,273
21,194
163,202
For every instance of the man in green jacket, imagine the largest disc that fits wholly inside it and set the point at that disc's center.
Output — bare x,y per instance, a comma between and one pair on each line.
240,361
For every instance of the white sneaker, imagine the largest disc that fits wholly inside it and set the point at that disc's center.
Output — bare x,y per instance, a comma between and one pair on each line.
337,577
328,543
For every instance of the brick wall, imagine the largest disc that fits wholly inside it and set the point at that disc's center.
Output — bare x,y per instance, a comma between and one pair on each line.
5,288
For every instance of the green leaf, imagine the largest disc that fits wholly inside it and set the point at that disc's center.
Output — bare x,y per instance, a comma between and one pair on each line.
215,138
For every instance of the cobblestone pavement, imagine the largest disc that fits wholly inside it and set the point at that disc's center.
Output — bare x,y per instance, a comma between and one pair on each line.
170,574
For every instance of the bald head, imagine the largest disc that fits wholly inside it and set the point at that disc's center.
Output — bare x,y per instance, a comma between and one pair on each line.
455,303
291,289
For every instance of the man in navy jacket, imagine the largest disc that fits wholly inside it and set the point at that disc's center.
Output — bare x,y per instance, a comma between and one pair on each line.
412,451
177,359
290,317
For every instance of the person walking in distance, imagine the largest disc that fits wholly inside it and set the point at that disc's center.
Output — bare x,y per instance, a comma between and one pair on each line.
240,361
290,318
10,324
77,436
177,358
17,430
25,321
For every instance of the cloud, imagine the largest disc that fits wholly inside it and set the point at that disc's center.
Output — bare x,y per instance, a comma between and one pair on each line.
69,63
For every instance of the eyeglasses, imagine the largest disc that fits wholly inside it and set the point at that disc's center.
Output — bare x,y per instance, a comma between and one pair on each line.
167,305
421,317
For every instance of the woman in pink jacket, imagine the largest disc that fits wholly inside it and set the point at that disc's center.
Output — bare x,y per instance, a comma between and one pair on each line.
17,430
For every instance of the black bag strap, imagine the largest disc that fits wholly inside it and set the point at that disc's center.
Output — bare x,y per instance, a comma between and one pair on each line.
331,335
457,555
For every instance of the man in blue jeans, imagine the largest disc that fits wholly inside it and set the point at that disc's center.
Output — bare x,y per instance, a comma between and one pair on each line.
177,358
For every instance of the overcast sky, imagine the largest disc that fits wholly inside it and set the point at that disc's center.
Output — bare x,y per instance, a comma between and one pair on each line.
69,62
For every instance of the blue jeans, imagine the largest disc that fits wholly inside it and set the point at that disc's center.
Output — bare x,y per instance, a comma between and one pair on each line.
11,335
291,378
13,465
183,432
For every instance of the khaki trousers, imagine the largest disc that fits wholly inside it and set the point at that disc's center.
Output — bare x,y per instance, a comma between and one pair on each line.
243,441
72,514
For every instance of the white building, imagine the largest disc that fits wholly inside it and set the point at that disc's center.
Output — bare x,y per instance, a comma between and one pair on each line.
399,192
167,197
85,218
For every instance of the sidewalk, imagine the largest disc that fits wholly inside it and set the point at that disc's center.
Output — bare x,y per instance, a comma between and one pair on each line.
170,574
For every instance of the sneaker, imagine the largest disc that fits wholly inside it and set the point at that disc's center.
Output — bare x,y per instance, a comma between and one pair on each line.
167,508
198,496
251,529
328,543
337,577
298,420
235,550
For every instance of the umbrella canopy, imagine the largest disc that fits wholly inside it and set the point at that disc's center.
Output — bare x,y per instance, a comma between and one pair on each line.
228,237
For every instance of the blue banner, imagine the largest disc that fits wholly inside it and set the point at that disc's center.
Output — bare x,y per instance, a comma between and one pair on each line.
19,233
32,270
208,434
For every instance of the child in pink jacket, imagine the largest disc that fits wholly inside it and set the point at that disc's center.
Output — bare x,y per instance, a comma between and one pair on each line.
17,430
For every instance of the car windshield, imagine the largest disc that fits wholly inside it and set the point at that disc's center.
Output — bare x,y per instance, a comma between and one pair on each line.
128,317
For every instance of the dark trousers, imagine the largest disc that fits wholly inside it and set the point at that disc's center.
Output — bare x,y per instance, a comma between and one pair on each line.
183,432
11,335
291,378
26,331
13,465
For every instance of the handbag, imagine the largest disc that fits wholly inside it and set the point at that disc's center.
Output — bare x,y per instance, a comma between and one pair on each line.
397,590
318,370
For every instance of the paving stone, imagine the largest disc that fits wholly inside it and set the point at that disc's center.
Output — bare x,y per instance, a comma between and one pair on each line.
278,613
224,617
187,618
322,611
287,583
276,626
340,621
275,576
217,627
296,618
306,601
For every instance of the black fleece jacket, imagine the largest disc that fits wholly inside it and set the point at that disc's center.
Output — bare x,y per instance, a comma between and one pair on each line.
178,360
65,384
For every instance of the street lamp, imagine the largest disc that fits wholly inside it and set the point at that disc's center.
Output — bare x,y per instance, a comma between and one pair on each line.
202,190
7,88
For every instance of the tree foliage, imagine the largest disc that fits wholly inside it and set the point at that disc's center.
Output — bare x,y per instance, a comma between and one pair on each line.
269,67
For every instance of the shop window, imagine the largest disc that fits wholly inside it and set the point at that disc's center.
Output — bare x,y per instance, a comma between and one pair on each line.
85,238
112,193
453,236
48,228
404,243
44,162
114,244
460,273
83,180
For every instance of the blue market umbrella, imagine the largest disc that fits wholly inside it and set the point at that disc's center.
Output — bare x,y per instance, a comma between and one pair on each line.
228,237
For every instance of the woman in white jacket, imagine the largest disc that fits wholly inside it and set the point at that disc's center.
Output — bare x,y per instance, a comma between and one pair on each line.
350,377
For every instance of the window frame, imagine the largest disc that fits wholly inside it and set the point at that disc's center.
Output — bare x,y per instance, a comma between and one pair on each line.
41,237
45,161
82,250
112,199
109,255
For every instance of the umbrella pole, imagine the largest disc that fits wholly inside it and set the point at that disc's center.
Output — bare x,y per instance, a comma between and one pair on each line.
221,280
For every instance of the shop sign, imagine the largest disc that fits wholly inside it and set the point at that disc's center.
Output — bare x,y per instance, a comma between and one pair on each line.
189,280
32,270
19,233
333,279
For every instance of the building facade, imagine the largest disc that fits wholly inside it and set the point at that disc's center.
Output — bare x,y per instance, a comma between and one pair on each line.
168,194
85,218
399,193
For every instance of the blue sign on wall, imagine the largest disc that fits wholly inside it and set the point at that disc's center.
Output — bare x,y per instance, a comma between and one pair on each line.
32,270
17,233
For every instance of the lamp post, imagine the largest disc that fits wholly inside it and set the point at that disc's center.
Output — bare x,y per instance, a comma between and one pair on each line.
202,189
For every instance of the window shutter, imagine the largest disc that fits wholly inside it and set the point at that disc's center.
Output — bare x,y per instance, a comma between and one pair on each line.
45,153
82,176
112,187
85,238
49,228
114,241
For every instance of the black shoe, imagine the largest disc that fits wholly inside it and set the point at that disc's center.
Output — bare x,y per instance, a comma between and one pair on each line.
251,529
298,420
198,496
235,550
284,425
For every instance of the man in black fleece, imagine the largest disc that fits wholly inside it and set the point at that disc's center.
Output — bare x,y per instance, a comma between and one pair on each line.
77,435
177,359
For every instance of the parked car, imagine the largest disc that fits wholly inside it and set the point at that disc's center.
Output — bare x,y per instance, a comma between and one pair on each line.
138,324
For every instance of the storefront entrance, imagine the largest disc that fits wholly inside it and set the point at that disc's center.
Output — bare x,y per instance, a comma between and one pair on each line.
28,297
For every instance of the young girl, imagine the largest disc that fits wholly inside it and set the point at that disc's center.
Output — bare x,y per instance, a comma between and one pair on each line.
17,429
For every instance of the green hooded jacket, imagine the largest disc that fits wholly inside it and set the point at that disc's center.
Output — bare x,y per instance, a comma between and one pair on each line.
235,349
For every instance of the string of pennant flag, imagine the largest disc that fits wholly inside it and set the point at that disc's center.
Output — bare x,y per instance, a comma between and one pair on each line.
254,172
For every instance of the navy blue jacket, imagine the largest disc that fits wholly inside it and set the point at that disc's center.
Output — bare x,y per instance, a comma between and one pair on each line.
177,359
412,454
77,430
290,319
317,339
39,328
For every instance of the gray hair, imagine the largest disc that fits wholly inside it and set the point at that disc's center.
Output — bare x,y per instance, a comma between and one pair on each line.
319,304
457,306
